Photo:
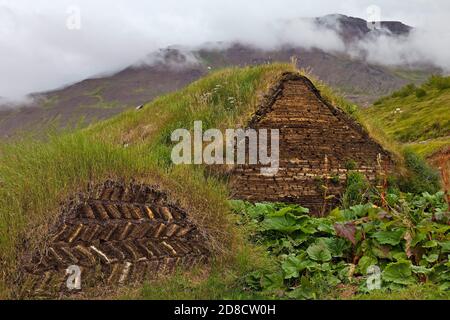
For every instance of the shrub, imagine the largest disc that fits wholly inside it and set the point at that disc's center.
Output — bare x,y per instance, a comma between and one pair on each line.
356,190
439,82
421,177
420,93
351,108
378,102
405,91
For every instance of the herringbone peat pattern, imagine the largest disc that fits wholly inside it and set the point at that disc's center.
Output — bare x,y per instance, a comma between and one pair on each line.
117,234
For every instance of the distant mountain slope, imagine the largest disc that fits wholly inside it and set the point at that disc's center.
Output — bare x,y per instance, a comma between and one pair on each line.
102,97
351,28
358,80
96,99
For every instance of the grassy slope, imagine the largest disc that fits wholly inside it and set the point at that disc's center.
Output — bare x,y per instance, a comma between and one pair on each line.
422,122
36,176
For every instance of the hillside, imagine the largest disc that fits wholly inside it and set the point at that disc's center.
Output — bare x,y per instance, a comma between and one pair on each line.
416,114
419,118
352,29
261,252
37,176
171,69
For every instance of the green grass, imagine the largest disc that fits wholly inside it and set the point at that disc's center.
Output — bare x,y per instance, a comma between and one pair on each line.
427,291
36,176
429,147
50,102
205,100
414,292
223,280
412,115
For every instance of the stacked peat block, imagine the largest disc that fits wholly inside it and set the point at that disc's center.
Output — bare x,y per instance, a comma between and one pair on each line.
318,142
117,234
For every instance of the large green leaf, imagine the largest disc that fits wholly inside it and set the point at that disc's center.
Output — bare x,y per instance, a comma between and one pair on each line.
319,252
299,211
287,220
291,267
445,246
336,246
430,244
361,210
399,255
422,270
419,237
272,281
261,209
296,211
378,237
325,225
309,265
286,223
308,227
304,291
382,252
399,273
441,273
432,257
445,286
365,262
332,280
392,238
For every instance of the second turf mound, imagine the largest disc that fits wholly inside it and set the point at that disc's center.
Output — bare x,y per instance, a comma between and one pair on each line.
116,234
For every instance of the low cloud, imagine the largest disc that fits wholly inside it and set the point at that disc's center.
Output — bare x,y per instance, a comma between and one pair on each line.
420,47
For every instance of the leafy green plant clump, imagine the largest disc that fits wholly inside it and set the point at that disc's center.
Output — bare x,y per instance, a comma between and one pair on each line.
316,257
420,93
438,82
405,92
357,188
421,177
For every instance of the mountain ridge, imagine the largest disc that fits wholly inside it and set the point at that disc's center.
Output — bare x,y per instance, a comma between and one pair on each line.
173,68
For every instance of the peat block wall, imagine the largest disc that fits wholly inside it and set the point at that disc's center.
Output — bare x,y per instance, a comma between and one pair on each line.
318,143
117,234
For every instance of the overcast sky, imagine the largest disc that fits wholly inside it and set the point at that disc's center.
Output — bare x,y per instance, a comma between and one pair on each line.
43,46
